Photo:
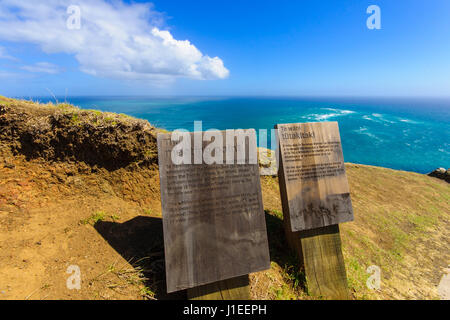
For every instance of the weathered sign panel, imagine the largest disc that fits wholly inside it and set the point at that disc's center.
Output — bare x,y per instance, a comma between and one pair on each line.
313,184
213,216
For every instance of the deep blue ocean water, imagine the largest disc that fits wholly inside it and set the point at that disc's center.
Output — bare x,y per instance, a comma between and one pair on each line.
405,134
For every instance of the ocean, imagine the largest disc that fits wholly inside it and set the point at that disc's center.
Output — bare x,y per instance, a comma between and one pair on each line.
403,134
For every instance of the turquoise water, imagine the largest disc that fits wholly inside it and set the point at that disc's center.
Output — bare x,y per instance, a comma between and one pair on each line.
412,135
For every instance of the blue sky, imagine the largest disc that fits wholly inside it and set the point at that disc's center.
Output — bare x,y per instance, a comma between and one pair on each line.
278,48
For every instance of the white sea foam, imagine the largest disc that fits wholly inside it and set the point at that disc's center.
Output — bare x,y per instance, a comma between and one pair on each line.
361,130
323,117
378,118
365,131
409,121
382,117
406,132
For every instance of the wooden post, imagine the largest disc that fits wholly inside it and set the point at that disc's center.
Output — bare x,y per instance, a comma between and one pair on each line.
320,255
231,289
324,263
315,199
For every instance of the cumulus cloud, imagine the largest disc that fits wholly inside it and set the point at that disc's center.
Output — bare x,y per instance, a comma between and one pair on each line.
115,40
43,67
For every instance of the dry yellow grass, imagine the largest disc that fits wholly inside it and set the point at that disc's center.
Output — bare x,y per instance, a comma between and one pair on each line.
401,225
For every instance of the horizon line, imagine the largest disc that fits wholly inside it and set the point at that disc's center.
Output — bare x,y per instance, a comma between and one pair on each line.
232,96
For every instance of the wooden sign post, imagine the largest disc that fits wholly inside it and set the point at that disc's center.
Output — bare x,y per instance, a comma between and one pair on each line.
315,198
213,218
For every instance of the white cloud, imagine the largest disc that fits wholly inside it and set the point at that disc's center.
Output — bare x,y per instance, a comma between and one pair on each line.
5,55
116,40
43,67
8,75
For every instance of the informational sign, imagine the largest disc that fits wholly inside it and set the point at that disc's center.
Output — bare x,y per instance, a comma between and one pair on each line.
213,216
313,184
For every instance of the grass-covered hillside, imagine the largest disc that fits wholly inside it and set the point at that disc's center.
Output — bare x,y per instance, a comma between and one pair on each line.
81,187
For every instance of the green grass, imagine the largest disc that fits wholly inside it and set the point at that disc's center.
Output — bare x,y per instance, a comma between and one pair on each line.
277,214
147,293
295,276
150,153
75,119
65,106
114,217
99,216
283,293
94,218
148,212
357,277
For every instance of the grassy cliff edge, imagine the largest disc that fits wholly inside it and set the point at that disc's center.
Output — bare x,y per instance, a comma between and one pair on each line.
81,187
